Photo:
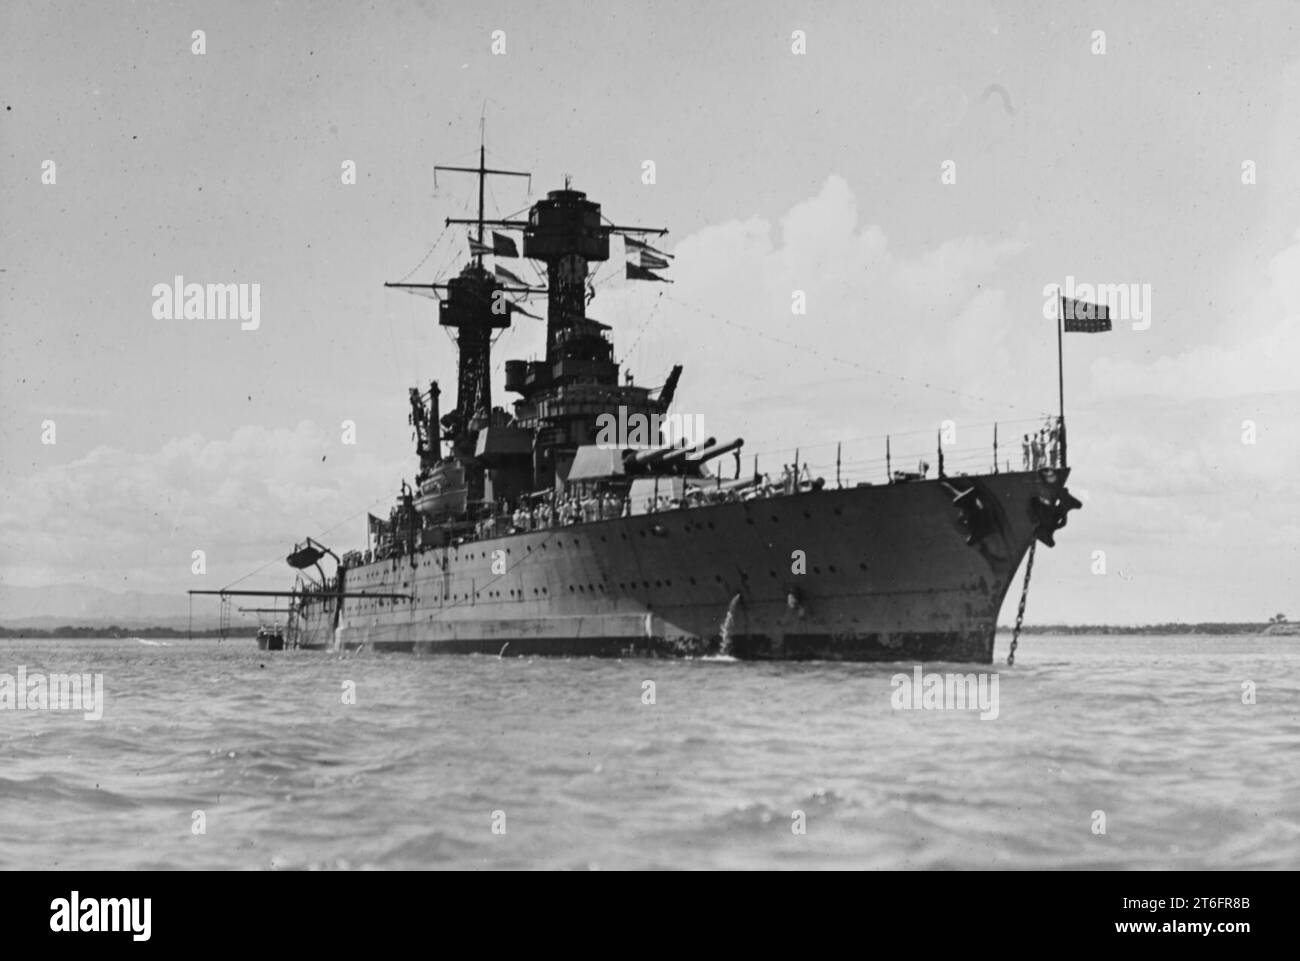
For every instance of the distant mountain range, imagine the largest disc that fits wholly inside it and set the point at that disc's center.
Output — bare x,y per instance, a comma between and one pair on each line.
78,605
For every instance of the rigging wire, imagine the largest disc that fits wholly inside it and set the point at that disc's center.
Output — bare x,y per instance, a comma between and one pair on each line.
643,327
833,357
428,254
328,530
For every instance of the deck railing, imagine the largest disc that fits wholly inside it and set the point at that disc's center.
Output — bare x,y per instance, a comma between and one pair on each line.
951,450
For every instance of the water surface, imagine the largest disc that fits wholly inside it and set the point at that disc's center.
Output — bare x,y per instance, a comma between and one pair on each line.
1151,731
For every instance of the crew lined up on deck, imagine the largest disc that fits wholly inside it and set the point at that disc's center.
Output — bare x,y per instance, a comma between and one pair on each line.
1043,449
560,510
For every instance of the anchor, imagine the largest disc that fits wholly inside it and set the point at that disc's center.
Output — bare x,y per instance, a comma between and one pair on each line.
973,520
1050,513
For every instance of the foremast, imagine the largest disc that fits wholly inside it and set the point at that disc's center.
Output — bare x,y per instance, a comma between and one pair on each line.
474,305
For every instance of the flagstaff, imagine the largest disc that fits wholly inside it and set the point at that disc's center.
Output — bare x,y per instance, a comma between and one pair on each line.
1060,373
1085,318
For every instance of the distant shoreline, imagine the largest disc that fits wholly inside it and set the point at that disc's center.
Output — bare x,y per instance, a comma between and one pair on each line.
1245,628
114,632
1175,629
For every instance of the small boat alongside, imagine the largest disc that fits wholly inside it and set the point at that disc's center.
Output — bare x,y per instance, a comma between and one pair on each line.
270,638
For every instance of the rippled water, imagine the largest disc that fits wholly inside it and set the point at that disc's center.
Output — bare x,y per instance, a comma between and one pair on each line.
1150,731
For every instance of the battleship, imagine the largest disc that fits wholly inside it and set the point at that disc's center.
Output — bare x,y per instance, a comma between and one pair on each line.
540,530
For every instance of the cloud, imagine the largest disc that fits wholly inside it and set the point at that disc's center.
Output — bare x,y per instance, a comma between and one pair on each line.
113,518
1258,351
1190,460
888,338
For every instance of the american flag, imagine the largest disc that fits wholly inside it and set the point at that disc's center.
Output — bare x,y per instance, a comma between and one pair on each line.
1084,318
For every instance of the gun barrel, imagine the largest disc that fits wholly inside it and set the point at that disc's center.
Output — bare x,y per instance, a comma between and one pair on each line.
736,485
644,458
700,456
682,453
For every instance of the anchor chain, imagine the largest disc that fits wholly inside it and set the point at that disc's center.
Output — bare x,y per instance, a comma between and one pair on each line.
1020,612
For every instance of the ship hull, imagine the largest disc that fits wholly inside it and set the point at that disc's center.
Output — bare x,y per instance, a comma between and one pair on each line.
871,573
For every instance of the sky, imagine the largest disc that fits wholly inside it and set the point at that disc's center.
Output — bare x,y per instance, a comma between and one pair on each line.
924,173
